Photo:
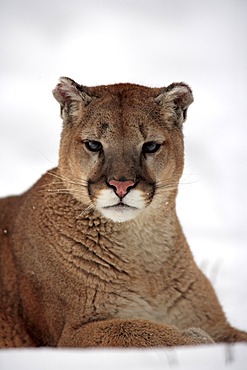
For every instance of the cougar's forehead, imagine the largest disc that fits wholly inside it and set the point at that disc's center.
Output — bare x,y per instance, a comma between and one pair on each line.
123,118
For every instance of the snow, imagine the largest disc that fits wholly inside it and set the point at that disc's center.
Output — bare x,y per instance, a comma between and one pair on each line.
203,357
154,43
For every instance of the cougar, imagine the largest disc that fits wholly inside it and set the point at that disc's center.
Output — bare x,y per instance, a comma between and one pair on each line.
93,255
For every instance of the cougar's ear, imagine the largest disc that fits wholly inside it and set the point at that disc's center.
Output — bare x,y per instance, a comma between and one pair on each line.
175,100
69,93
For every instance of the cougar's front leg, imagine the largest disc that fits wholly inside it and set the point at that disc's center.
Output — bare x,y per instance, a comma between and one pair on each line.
228,334
129,333
13,333
201,308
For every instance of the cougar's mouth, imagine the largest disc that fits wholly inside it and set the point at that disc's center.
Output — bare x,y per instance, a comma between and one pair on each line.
121,206
120,210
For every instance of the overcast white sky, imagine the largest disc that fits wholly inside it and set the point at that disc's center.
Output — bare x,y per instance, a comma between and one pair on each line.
151,42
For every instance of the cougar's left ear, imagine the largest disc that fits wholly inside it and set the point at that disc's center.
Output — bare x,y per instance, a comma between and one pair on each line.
175,100
69,93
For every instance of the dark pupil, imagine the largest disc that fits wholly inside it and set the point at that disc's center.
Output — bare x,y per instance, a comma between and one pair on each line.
150,147
94,146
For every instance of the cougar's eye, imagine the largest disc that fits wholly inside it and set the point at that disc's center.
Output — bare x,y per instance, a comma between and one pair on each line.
150,147
93,146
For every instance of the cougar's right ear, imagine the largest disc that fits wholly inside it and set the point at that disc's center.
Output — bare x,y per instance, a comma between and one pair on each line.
69,93
174,102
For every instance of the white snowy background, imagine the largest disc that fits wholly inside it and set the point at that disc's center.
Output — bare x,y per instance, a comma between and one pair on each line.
155,43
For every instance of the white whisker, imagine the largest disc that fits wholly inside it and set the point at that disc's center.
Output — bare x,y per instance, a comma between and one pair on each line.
86,210
68,180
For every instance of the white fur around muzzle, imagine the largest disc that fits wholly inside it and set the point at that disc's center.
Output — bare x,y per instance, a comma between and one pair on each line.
108,204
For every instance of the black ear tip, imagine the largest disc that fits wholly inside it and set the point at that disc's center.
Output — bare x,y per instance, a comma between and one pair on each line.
185,113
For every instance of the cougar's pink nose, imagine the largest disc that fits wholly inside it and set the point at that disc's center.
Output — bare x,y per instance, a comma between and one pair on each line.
121,187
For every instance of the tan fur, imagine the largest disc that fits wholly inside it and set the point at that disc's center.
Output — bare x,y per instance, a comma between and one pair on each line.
73,277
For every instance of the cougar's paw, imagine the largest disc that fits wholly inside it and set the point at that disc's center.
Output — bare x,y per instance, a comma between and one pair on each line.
198,335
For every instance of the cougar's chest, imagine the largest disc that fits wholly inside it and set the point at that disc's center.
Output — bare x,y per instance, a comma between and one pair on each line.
103,270
133,292
136,298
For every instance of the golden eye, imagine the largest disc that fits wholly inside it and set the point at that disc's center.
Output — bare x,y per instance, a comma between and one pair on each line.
150,147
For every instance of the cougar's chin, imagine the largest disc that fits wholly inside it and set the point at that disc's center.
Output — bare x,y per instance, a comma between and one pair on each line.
120,213
117,210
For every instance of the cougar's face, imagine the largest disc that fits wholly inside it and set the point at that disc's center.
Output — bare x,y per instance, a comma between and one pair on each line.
120,157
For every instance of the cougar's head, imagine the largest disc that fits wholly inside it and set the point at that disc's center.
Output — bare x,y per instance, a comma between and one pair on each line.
121,148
